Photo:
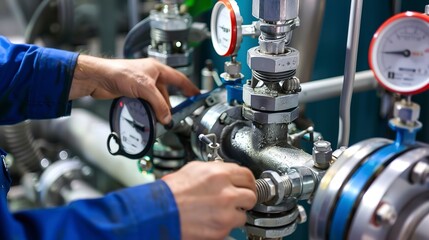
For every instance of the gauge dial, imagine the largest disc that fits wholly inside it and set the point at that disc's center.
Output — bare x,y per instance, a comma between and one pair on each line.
132,124
226,27
399,53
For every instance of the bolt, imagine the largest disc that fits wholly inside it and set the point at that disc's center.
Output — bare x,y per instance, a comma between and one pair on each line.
265,190
322,154
86,171
145,164
385,214
420,173
427,9
223,117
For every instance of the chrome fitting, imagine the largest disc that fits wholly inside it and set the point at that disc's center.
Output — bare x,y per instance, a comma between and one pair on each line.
322,154
258,99
259,61
275,10
407,112
269,117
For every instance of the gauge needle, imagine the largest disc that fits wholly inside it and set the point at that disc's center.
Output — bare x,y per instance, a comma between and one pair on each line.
405,53
135,124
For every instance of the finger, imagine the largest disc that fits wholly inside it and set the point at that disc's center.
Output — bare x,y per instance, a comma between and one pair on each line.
159,105
242,177
239,218
162,88
246,199
173,77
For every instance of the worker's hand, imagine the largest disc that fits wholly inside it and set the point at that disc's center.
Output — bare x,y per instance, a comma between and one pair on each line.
137,78
212,198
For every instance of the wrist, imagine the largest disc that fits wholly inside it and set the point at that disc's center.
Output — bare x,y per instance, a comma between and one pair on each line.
86,76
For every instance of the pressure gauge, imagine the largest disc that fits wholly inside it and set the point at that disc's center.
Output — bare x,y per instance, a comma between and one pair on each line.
225,26
133,126
399,53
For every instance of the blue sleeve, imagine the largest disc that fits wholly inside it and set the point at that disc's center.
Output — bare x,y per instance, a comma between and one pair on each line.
34,82
143,212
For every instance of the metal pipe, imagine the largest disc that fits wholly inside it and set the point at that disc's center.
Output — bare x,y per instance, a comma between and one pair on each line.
89,141
133,11
331,87
306,38
349,72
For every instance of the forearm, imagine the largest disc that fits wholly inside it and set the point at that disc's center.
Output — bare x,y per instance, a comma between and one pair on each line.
143,212
34,82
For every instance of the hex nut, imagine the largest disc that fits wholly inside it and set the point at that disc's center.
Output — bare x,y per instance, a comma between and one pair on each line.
276,46
278,232
278,183
386,214
172,60
420,173
322,154
232,68
161,21
273,63
407,112
275,10
269,221
269,118
265,102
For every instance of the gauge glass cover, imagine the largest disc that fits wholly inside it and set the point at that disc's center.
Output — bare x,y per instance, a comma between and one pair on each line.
225,27
399,53
133,122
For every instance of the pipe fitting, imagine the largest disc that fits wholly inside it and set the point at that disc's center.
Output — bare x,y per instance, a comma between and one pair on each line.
258,99
287,61
275,10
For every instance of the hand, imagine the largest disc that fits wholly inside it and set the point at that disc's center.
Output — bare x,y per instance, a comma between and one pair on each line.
137,78
212,198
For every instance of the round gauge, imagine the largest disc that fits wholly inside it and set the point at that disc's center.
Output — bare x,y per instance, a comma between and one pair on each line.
226,27
399,53
132,123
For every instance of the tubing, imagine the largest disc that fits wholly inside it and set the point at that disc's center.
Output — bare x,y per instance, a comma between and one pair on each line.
349,72
137,38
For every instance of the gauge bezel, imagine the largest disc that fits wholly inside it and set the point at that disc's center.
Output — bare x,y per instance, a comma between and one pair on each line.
373,52
236,22
115,129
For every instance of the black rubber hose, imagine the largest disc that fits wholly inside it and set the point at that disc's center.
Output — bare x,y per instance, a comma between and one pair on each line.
137,38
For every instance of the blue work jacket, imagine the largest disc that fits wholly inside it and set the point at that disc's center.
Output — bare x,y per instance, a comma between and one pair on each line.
35,84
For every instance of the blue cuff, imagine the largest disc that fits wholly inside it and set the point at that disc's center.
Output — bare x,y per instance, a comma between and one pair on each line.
154,210
53,76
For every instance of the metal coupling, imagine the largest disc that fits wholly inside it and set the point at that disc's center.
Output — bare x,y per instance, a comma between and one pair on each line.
272,188
427,9
407,112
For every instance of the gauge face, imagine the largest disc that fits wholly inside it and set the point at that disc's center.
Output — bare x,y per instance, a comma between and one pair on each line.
226,27
132,125
399,53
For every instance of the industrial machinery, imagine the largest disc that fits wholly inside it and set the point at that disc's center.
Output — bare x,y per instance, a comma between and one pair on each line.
375,189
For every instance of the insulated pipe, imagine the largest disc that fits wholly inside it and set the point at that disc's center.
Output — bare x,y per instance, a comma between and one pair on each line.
87,134
349,72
